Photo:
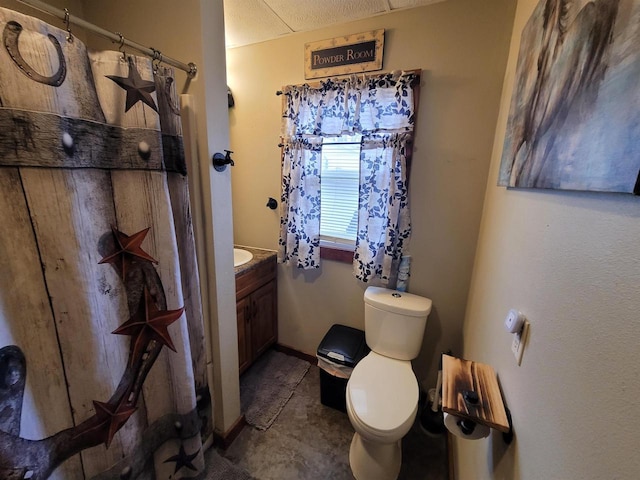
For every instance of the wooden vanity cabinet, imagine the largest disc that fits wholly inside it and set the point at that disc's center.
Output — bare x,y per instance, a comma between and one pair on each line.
257,311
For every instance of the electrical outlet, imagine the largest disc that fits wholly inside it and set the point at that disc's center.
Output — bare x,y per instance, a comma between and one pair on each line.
519,340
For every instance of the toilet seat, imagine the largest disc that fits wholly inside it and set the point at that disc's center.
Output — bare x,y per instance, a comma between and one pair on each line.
382,396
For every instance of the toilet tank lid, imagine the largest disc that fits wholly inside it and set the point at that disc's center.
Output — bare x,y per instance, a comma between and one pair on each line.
393,301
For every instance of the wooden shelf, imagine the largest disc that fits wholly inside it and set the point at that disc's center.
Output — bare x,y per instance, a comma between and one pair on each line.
461,376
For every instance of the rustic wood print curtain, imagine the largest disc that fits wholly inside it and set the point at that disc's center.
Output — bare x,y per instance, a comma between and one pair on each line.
102,358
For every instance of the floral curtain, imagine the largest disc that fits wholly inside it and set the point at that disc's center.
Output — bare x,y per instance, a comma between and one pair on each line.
300,228
384,225
379,108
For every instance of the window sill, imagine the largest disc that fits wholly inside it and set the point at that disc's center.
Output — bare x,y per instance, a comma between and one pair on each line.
337,253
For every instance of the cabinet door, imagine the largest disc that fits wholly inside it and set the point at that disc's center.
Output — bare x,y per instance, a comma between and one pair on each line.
264,324
243,311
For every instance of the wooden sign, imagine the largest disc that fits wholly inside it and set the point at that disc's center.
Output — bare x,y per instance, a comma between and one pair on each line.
357,53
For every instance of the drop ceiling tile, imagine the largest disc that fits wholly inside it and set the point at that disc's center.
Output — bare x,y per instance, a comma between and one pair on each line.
251,21
398,4
302,15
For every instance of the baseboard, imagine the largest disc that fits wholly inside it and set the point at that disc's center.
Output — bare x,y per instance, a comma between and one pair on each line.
296,353
226,439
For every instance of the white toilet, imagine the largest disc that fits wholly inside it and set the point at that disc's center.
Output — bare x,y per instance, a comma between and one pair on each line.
382,393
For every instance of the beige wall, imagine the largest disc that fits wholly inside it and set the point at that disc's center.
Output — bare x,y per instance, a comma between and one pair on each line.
570,261
462,48
75,8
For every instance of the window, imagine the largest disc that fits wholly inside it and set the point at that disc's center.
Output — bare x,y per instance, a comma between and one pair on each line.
340,171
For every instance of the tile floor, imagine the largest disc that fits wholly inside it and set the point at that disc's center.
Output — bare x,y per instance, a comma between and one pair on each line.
309,441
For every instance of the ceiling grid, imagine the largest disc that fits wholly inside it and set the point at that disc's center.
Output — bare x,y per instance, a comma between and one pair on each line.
254,21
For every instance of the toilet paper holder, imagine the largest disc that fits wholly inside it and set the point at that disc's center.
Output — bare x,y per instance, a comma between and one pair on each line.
470,390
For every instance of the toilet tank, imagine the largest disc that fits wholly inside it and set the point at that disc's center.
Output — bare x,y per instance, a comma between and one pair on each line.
394,322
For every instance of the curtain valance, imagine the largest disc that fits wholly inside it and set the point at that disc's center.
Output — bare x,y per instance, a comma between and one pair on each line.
351,105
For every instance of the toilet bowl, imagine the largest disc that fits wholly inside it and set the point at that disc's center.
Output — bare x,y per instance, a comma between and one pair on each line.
382,402
382,392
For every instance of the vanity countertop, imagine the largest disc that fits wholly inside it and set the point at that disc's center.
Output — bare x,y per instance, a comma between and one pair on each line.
259,256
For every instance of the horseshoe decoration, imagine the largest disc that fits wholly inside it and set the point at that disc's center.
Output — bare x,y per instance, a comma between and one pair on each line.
13,373
10,36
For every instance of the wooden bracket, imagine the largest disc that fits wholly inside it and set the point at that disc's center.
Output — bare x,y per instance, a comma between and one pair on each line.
470,390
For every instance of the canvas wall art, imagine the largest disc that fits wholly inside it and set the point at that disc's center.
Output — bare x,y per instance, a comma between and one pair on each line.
574,119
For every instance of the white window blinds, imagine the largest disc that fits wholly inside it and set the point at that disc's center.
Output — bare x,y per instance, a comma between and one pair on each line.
340,172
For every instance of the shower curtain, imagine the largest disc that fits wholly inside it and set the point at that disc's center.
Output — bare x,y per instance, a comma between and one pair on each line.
102,357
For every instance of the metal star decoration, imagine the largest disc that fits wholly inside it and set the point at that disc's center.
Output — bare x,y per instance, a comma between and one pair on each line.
128,248
138,90
183,460
147,324
110,418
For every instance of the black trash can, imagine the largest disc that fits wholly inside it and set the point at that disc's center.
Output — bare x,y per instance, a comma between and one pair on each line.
339,351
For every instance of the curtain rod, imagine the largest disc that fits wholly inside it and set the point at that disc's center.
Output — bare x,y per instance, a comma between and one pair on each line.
63,15
417,72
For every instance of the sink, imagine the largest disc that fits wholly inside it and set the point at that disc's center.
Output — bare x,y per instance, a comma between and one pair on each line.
240,257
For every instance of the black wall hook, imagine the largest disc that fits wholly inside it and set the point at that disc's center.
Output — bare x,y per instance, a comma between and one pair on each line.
220,161
272,203
508,436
